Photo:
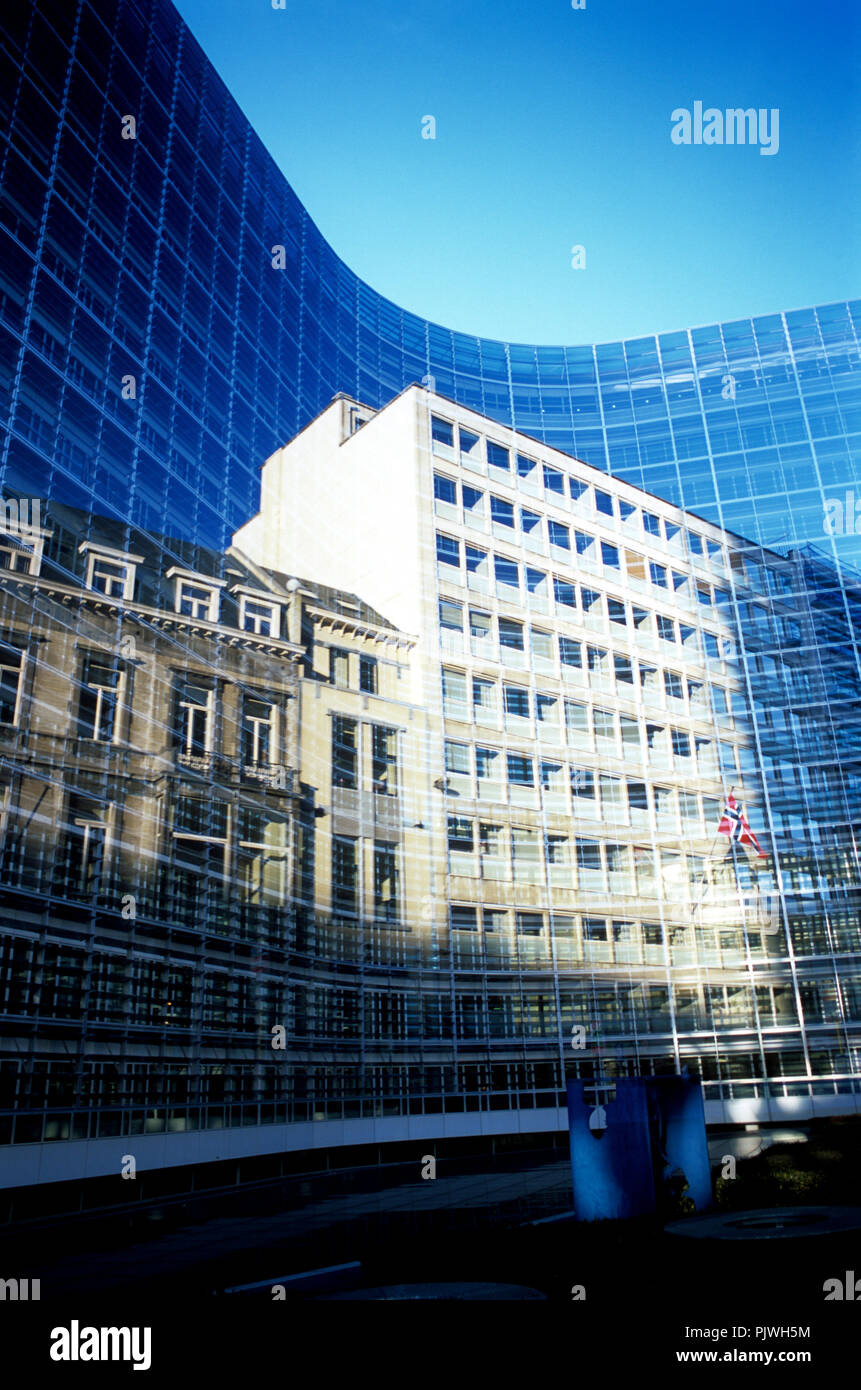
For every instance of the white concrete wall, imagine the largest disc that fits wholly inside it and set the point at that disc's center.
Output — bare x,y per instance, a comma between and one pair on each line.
347,514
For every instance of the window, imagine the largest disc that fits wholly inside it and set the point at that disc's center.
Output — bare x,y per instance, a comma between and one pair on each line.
339,667
110,572
258,731
570,653
487,766
589,862
594,928
484,700
666,628
605,726
554,481
457,758
576,722
447,550
630,736
530,523
442,432
479,625
385,882
529,923
557,849
617,611
463,918
641,618
16,556
673,685
262,857
473,501
520,771
563,592
652,524
658,574
719,700
444,489
710,643
623,669
559,534
470,446
86,832
542,645
195,601
498,456
704,596
576,488
501,512
194,720
345,874
598,661
450,616
507,571
610,555
11,669
695,544
516,701
454,693
100,687
511,634
681,743
525,466
345,746
696,695
368,674
612,803
638,799
592,602
603,502
536,582
583,783
259,618
461,838
583,542
384,760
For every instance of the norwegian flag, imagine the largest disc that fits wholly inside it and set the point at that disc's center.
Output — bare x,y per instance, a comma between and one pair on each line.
734,824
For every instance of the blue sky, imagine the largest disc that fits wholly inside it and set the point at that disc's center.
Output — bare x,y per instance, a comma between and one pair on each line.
553,130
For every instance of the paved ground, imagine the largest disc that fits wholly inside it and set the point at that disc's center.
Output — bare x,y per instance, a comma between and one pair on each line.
279,1241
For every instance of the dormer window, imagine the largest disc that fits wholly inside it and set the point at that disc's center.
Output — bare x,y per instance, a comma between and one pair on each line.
110,572
194,601
196,595
18,557
257,617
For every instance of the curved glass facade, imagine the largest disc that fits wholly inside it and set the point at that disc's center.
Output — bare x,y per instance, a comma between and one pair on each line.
170,316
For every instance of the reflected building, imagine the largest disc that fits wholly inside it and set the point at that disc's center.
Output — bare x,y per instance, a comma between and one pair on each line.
169,317
285,858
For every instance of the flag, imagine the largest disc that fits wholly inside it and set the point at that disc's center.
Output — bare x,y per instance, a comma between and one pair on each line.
734,824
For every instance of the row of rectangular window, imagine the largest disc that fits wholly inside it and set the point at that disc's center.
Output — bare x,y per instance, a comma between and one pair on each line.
498,851
621,800
607,727
482,566
511,639
554,482
471,502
